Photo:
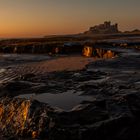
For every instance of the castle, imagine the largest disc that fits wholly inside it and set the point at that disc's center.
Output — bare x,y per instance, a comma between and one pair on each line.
105,28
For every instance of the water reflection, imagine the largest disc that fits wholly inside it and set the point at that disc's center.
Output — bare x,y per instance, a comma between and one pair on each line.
66,100
98,53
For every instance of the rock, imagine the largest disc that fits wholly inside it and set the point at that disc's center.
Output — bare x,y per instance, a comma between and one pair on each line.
113,114
20,117
14,88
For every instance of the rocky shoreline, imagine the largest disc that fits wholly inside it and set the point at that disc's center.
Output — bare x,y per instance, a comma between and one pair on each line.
112,114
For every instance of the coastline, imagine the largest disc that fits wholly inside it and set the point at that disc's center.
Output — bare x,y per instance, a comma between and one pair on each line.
113,85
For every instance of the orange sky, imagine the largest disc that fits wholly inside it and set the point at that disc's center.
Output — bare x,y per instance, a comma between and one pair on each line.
35,18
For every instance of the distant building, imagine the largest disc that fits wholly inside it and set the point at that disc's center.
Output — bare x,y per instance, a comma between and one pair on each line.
105,28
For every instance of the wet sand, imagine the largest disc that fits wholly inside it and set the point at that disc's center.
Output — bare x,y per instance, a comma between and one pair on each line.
69,63
66,63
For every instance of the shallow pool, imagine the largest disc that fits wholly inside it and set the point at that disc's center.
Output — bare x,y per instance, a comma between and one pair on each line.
66,100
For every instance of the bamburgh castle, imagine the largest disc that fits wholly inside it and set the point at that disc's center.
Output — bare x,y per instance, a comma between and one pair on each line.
105,28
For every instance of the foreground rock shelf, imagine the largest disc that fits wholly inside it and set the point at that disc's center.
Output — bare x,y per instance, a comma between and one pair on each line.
24,117
112,114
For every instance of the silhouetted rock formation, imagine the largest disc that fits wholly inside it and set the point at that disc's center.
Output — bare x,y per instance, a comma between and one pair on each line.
105,28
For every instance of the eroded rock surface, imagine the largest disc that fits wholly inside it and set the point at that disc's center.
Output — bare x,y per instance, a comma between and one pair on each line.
26,118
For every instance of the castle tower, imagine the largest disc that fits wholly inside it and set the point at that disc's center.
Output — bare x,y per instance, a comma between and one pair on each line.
107,24
116,26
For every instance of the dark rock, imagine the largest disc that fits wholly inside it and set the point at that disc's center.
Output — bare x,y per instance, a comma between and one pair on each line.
14,88
21,117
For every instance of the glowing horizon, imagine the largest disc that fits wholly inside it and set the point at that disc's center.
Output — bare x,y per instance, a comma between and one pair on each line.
36,18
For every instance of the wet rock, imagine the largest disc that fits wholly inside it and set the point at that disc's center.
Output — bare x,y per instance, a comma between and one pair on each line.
14,88
20,117
116,119
113,114
134,103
